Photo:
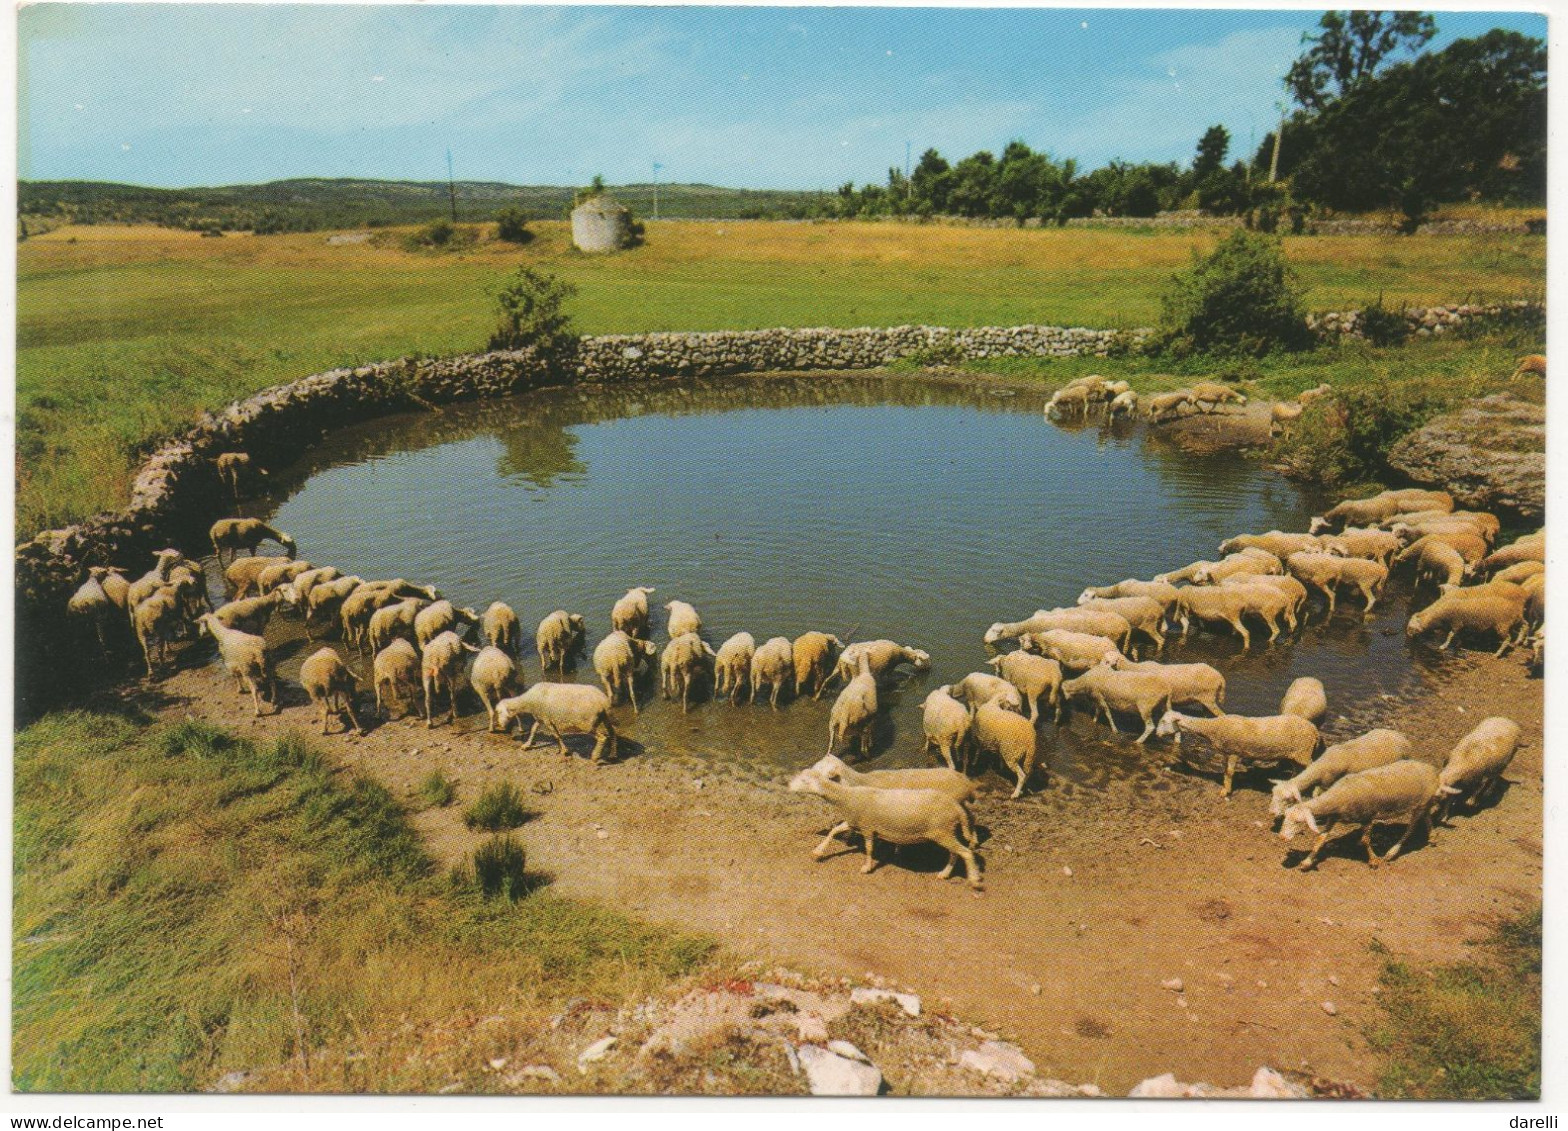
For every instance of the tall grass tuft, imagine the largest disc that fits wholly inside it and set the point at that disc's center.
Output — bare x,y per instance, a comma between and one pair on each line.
500,868
498,808
436,791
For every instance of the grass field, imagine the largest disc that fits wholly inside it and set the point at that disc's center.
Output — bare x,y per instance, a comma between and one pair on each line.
124,333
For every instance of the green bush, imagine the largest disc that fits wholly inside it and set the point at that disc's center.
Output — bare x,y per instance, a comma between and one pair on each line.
498,807
1382,326
531,305
436,791
512,226
500,868
1242,298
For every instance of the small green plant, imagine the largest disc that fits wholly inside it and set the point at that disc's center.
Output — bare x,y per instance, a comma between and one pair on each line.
1242,298
512,226
500,868
440,235
499,807
532,315
436,791
1382,326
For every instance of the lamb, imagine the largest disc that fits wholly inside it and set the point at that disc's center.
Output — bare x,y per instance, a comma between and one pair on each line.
1454,613
1477,761
396,674
630,614
1240,738
1358,542
1326,572
1190,685
242,577
1010,738
559,635
960,787
443,616
301,585
899,816
814,654
772,665
615,660
115,587
251,614
687,661
1207,392
978,688
1162,406
1373,749
884,656
946,722
1162,591
391,621
155,621
1400,793
440,671
501,628
1035,677
235,469
493,677
1435,561
682,619
1231,604
1137,692
1276,543
1144,615
855,711
1096,622
92,605
154,579
1244,561
1125,402
572,707
330,685
245,656
1306,699
732,665
236,534
1075,651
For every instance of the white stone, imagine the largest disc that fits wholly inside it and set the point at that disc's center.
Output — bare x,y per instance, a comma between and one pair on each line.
844,1048
998,1058
1175,985
1164,1087
540,1072
828,1074
909,1003
594,1052
1270,1085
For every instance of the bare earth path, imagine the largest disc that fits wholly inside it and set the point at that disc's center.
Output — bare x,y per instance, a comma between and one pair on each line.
1067,948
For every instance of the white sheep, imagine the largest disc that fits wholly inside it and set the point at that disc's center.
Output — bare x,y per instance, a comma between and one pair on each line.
814,654
245,656
960,787
559,635
686,662
1240,738
298,589
855,711
1248,560
1072,397
1531,548
236,534
1035,677
1075,651
494,677
1190,685
1145,615
1367,752
396,675
1277,543
391,621
1399,793
773,666
1306,699
154,579
440,671
250,614
1477,761
1363,542
1125,402
899,816
682,619
155,621
1284,583
1162,406
946,722
92,605
615,660
1207,392
1162,591
1435,561
501,628
1010,738
331,686
883,655
1096,622
242,577
574,708
1232,604
732,666
235,469
1135,692
441,616
983,687
630,614
1491,613
322,601
270,578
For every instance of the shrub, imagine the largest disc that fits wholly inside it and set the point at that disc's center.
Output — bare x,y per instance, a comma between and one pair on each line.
512,226
531,313
500,868
440,235
1242,298
498,807
437,790
1382,326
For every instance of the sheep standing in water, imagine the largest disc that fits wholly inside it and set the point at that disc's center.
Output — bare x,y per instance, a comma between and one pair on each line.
501,628
814,654
855,711
773,666
615,660
687,660
560,634
732,666
236,534
946,722
630,614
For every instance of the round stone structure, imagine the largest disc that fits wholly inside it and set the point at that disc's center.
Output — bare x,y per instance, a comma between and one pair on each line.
602,223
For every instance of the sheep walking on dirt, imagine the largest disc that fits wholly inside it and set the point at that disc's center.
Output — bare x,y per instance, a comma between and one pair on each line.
814,654
1010,738
960,787
615,660
1477,761
1489,614
1254,740
732,666
855,711
440,673
1369,751
493,677
91,605
236,534
946,722
559,635
571,708
155,622
438,617
1165,406
898,816
331,687
1400,793
772,666
245,656
687,661
1134,692
396,675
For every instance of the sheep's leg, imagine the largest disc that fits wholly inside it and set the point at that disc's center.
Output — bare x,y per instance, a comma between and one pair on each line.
560,742
489,714
1148,726
1034,709
1246,637
1022,770
323,702
348,706
871,853
775,702
1366,591
956,849
1507,643
1448,641
1329,591
967,825
381,710
255,696
1230,774
834,833
532,732
946,750
1410,827
631,689
1373,859
685,678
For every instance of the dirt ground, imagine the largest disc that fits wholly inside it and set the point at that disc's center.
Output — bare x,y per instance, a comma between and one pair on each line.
1081,922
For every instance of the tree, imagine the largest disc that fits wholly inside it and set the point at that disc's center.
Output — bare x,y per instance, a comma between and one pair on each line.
1349,48
532,315
511,225
1212,148
1241,298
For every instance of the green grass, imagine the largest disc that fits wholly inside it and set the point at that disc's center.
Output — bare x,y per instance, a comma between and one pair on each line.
499,807
436,791
189,904
1466,1031
126,333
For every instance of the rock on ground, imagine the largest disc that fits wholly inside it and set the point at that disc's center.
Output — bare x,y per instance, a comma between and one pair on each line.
829,1074
1490,455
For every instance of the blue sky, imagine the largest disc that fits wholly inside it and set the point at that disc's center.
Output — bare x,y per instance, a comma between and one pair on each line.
175,95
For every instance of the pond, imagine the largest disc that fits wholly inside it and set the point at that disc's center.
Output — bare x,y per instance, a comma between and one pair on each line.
867,506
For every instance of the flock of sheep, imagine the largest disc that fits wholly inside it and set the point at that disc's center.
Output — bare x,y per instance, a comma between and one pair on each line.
1087,653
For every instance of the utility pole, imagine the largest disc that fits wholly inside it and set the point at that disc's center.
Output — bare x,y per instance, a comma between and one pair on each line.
906,171
656,168
1279,133
451,185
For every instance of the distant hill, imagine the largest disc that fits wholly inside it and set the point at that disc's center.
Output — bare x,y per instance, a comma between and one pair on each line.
313,204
